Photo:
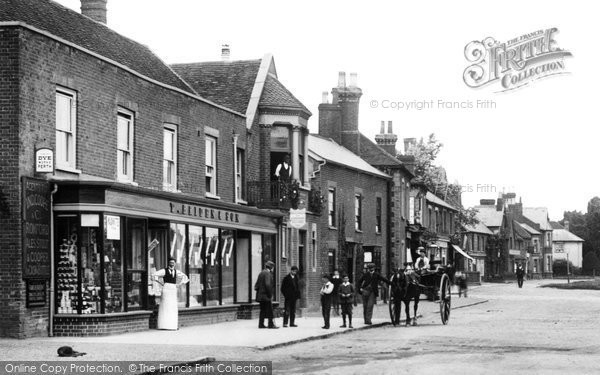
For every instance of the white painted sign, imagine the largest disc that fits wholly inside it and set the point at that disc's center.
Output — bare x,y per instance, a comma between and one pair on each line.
298,218
44,160
113,227
514,252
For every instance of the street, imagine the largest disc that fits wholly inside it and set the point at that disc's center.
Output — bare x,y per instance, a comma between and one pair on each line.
531,330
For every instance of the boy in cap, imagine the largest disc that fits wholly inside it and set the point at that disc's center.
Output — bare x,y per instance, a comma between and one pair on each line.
326,294
346,295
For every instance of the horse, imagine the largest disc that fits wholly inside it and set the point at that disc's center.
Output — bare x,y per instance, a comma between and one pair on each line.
405,287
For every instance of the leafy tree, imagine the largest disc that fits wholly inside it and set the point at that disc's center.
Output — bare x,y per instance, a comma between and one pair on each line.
559,267
591,263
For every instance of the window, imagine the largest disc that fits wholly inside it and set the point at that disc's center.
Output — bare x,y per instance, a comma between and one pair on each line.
170,157
66,126
331,204
378,215
125,146
211,165
240,174
357,212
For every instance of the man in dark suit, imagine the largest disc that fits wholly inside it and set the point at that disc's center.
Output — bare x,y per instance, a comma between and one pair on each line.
264,295
291,292
369,289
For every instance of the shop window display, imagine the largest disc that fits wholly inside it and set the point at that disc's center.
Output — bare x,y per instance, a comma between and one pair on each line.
177,251
113,267
196,263
227,261
212,260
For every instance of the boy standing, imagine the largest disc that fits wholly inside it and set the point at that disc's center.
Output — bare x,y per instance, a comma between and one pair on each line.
346,294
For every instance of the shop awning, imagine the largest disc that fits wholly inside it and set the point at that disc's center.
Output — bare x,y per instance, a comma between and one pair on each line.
462,252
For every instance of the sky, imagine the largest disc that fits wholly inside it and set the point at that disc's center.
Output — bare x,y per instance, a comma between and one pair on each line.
539,141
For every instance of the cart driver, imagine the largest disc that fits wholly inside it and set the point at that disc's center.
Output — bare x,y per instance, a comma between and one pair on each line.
422,262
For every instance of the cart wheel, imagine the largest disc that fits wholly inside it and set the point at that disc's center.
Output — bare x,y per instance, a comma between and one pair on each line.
445,298
391,304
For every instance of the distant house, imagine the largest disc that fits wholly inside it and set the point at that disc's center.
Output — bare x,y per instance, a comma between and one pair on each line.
566,244
475,239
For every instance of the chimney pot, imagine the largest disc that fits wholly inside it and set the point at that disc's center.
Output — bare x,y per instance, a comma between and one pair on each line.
566,225
342,79
390,127
325,97
353,80
225,52
382,127
94,9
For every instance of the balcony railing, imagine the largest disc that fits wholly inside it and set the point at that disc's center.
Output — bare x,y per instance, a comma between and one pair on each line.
273,194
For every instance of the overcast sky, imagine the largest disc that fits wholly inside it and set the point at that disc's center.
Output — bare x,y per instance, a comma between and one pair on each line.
540,141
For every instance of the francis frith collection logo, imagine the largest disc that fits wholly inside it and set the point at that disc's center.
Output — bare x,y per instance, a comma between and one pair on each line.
514,63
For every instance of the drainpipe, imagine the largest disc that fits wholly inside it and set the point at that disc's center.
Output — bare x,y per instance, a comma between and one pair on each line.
51,315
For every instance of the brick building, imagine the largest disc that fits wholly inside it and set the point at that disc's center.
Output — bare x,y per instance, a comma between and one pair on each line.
142,167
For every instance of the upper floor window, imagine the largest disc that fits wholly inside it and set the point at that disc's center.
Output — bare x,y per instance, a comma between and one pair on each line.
240,174
331,205
125,145
211,165
170,157
66,128
378,215
357,212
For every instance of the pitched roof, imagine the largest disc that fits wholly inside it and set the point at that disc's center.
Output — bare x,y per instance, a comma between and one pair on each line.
440,202
529,229
70,26
228,83
376,155
489,216
478,228
538,215
520,231
563,235
275,94
556,225
327,149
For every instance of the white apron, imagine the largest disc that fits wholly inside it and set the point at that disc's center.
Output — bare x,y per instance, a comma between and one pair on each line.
167,310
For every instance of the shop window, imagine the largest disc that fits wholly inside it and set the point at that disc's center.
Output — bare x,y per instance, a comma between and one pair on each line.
242,262
196,263
113,265
269,248
125,145
212,266
170,157
227,262
135,256
177,251
256,248
67,267
211,165
158,242
66,128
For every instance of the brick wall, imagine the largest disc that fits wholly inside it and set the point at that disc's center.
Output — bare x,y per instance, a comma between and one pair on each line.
32,67
100,325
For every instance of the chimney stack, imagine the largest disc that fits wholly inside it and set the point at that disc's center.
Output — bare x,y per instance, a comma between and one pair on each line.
94,9
225,52
325,97
387,141
353,80
342,80
566,225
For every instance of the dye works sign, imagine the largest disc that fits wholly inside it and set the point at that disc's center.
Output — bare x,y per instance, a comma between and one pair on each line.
36,228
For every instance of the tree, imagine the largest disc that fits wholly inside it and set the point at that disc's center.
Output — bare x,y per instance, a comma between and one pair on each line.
559,267
591,263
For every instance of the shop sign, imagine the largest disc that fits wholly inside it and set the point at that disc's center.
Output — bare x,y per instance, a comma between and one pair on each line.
113,227
514,252
205,213
35,293
44,160
36,228
298,218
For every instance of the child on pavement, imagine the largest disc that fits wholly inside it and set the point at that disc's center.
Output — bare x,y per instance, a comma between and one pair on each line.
326,294
346,293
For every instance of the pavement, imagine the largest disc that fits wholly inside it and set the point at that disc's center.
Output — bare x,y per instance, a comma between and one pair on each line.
197,343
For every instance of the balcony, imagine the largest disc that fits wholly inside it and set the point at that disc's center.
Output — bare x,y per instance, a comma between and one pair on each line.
273,194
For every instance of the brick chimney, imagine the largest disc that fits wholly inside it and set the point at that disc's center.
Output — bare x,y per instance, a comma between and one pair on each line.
94,9
388,140
339,120
225,52
566,225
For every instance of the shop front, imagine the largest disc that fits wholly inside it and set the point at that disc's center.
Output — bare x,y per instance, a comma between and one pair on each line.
110,239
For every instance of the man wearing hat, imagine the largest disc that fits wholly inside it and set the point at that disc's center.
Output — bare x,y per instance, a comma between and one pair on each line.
422,261
264,295
291,292
369,289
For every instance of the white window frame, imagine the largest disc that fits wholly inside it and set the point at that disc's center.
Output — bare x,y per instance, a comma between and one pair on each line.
358,212
70,162
240,174
211,169
128,116
170,161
